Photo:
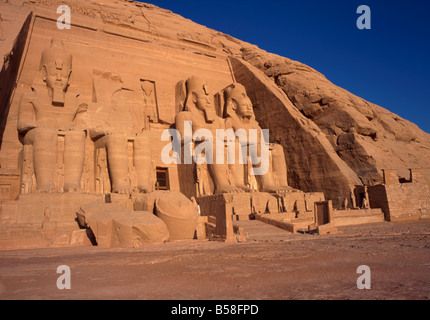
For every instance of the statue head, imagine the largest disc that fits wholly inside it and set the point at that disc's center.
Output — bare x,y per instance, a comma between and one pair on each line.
237,99
56,67
199,96
198,93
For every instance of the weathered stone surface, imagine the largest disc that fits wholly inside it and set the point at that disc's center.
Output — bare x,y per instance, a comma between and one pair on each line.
84,111
312,162
178,213
405,199
366,136
114,226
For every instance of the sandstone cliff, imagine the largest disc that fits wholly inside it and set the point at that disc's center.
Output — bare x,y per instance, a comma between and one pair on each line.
332,139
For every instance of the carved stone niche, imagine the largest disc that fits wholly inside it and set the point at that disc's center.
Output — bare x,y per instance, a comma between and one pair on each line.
150,100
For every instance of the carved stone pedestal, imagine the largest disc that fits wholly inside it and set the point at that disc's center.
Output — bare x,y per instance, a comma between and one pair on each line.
44,220
61,207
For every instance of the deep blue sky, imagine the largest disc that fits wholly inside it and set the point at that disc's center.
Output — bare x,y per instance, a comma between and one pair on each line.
388,65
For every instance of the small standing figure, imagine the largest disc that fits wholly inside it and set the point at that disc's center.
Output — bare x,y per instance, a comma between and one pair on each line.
27,175
352,195
46,217
148,88
345,204
365,203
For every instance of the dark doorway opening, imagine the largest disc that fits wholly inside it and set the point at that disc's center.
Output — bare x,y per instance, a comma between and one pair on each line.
162,182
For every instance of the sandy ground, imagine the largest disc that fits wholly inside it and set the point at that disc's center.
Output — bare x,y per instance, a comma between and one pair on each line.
272,264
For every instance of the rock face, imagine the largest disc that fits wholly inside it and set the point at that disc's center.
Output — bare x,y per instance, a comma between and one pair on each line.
14,26
365,136
125,71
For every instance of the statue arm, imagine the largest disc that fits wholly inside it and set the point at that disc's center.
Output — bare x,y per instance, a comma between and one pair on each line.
96,127
98,132
80,116
26,114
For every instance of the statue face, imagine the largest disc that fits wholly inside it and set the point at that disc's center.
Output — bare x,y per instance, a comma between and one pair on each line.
244,108
57,76
202,98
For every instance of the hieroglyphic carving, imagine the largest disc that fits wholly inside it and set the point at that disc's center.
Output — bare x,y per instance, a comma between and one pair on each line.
1,29
196,39
88,11
149,99
28,178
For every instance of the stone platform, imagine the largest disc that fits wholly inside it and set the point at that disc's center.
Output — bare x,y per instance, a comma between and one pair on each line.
227,209
43,220
245,205
341,218
357,216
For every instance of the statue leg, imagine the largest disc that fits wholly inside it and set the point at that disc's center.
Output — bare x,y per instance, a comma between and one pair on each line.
278,164
268,183
117,157
74,157
45,143
266,180
277,167
143,162
220,175
237,169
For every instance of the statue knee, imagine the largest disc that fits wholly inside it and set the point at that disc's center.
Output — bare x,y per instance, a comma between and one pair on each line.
116,141
44,137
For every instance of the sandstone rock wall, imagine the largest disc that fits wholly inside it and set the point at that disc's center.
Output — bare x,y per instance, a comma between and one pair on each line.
366,136
311,160
332,139
400,198
14,27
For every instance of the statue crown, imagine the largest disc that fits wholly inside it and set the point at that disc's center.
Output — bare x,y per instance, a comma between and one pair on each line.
235,91
55,56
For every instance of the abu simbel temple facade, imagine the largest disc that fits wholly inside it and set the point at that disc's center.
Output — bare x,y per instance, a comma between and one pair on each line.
129,125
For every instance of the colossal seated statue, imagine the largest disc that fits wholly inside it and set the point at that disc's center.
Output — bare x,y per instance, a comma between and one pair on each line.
239,114
120,118
44,114
199,110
